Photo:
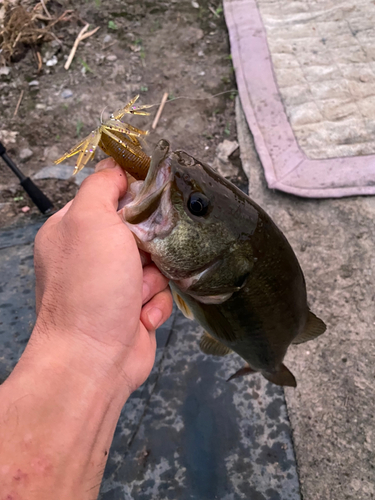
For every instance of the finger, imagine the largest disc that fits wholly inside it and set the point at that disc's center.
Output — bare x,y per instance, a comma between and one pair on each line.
157,310
102,190
153,282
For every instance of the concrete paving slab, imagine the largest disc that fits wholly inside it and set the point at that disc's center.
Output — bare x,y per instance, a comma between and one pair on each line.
186,433
332,411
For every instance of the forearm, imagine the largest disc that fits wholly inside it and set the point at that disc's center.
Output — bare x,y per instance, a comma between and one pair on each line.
94,343
57,420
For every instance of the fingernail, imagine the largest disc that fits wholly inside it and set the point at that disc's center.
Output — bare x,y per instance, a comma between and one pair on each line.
104,164
155,317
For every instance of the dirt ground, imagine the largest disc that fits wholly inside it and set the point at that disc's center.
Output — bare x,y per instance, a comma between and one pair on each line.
142,47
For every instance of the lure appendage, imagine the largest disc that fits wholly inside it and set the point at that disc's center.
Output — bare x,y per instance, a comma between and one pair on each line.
117,139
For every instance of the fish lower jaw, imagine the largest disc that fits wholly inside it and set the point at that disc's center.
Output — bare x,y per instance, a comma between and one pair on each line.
147,210
158,224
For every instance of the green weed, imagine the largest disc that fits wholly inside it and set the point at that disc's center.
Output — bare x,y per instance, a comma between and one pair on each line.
79,127
112,25
86,66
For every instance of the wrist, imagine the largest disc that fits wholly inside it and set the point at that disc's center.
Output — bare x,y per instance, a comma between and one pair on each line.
59,409
77,357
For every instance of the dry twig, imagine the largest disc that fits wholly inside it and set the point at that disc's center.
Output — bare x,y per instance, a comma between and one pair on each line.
21,28
160,110
45,9
62,18
81,36
18,104
40,62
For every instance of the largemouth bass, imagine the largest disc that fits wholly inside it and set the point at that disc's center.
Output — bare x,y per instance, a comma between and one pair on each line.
230,267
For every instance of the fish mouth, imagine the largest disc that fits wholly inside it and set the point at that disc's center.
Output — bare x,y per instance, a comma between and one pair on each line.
146,209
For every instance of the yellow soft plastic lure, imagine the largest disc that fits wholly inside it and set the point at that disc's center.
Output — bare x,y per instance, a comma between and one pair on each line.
117,139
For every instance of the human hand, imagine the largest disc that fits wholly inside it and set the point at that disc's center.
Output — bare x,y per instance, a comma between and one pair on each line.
91,289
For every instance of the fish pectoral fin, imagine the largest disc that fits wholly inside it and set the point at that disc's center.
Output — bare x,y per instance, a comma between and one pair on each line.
181,304
313,328
213,299
223,278
209,345
245,370
283,377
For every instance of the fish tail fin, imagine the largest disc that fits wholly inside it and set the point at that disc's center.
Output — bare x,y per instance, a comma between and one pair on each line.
241,372
283,377
313,328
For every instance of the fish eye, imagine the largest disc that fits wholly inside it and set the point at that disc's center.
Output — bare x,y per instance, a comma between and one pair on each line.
198,204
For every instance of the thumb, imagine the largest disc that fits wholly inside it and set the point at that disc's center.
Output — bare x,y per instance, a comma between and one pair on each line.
105,164
102,190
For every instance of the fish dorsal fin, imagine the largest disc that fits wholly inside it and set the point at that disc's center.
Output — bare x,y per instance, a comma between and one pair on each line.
313,328
283,377
181,304
209,345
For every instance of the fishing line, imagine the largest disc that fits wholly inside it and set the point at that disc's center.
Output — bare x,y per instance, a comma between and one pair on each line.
149,106
192,98
101,116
